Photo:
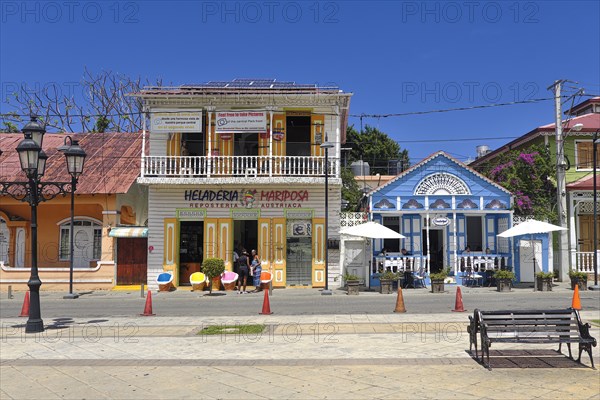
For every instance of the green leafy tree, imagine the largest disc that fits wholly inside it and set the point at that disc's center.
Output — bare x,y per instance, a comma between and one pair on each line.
529,174
376,148
351,192
9,127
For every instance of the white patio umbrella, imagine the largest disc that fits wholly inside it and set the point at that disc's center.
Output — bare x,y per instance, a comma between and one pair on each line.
372,230
531,227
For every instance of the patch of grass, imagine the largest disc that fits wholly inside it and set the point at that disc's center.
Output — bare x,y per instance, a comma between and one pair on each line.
595,321
251,329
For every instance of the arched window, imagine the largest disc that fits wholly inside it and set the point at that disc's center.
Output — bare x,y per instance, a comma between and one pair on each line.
87,241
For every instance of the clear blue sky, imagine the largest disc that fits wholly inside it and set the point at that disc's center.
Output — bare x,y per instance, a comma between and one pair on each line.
396,57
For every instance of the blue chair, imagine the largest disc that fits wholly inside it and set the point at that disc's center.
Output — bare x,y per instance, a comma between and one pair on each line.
419,279
165,281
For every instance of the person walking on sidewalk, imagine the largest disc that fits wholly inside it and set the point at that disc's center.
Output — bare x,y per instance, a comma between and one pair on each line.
243,269
256,270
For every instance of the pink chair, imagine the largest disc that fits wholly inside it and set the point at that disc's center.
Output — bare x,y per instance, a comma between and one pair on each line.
229,279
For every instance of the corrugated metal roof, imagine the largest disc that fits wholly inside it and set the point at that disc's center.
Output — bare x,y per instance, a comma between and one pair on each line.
585,183
112,164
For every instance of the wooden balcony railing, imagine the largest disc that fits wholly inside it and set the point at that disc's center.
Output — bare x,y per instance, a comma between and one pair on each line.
238,166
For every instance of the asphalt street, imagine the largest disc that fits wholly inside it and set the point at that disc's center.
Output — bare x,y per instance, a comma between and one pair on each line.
183,303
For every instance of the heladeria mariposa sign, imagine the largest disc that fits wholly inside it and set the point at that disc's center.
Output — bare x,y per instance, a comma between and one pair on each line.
246,198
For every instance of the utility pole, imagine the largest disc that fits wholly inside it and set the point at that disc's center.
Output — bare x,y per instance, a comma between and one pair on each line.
561,194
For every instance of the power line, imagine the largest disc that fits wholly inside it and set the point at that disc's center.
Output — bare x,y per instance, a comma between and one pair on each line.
360,116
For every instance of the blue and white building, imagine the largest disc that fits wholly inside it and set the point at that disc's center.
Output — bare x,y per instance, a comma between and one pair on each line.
443,207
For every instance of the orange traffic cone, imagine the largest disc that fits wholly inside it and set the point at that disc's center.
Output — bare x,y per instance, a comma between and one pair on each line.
400,301
458,304
576,303
25,309
148,307
266,309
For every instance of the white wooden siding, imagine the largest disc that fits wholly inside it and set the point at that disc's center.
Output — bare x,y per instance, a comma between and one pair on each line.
163,202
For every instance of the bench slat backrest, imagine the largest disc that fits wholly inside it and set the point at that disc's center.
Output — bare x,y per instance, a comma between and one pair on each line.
530,325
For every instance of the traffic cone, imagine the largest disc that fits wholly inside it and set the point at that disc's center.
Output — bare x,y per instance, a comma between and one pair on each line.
576,303
25,309
148,307
458,304
266,309
400,301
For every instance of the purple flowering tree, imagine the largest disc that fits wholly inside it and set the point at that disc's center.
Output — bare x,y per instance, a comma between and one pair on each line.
530,175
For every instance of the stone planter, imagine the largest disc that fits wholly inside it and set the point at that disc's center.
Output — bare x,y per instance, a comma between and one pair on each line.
386,286
503,285
437,286
543,284
582,283
352,287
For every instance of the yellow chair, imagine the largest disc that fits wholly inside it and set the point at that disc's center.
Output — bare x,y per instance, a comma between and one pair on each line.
198,281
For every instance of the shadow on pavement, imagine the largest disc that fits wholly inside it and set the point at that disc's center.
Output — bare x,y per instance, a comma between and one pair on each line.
529,359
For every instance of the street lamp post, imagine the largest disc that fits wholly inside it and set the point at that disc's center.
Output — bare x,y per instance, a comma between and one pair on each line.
594,144
33,163
326,145
34,167
75,157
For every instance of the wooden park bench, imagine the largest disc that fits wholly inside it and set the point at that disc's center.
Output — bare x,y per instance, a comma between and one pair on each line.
529,326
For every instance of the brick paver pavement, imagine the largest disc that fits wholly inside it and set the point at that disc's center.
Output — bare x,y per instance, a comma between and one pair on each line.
391,356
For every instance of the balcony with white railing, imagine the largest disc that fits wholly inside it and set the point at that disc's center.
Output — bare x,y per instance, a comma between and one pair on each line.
237,166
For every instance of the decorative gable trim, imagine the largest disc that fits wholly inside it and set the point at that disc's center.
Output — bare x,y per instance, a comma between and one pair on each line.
441,183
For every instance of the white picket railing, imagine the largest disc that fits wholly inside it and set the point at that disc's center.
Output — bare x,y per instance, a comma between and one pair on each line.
403,263
584,261
240,166
481,262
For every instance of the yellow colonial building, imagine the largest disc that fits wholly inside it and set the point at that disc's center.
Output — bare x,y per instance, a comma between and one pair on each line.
240,164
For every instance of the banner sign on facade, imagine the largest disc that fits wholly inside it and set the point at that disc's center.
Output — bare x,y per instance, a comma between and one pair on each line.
241,121
163,120
299,214
243,214
193,214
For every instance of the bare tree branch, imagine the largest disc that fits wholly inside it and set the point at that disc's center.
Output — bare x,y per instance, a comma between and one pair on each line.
103,105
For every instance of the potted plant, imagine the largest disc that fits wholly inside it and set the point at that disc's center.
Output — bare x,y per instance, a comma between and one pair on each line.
352,283
387,279
213,268
579,279
437,280
504,280
543,281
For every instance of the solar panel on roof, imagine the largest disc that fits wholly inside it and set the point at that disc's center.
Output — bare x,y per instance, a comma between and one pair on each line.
264,83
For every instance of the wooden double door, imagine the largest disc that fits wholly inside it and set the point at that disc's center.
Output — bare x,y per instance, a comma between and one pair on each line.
132,261
586,232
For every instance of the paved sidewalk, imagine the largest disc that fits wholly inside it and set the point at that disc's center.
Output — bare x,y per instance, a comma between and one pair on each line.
388,356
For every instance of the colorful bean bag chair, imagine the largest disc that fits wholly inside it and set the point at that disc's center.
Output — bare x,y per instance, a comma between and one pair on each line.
229,279
265,279
165,281
198,281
